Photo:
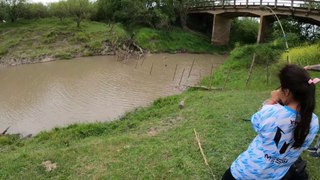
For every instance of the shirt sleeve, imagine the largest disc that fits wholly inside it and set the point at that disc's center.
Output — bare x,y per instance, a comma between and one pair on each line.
258,117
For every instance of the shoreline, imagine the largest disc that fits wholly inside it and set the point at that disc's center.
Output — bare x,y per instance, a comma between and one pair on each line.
52,59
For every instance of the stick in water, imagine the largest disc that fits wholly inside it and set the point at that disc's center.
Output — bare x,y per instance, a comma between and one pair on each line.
5,131
182,76
191,68
203,155
151,68
137,63
142,61
175,71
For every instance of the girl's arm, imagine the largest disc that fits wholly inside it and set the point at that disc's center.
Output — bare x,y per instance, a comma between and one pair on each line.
313,67
274,99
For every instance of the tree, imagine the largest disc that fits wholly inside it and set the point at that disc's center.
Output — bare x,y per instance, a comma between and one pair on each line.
179,8
2,10
14,8
59,9
34,10
153,13
132,13
106,9
296,31
244,31
79,9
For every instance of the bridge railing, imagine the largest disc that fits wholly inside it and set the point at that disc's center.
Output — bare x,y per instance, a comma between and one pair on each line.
293,4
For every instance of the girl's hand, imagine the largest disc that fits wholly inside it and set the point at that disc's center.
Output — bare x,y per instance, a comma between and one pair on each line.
275,98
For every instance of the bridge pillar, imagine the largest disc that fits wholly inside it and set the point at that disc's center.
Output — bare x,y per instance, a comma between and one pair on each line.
265,28
221,30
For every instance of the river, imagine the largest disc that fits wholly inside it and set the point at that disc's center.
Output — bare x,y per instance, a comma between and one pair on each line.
38,97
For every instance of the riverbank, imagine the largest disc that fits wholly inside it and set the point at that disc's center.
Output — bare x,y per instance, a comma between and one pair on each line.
42,40
157,141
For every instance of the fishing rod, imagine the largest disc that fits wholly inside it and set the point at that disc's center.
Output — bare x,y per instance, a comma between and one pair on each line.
283,32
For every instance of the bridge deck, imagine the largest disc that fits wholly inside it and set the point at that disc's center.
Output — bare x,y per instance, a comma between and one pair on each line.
301,5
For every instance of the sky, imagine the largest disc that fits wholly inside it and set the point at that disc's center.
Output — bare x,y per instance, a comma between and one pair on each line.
47,1
44,1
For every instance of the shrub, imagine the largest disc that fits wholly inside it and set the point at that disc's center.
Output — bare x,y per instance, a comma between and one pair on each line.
303,55
265,53
81,37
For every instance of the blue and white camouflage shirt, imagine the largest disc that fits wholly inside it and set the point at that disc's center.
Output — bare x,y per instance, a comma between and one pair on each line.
270,154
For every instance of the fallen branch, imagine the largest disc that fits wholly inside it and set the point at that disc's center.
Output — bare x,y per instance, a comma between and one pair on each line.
206,88
203,155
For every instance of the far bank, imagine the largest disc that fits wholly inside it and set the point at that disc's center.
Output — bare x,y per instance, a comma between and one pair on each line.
42,40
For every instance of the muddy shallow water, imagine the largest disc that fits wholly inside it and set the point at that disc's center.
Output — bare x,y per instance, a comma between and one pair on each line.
39,97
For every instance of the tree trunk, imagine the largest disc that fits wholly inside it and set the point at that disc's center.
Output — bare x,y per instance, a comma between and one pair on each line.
183,14
183,20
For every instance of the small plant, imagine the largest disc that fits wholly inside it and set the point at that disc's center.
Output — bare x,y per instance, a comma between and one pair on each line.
63,55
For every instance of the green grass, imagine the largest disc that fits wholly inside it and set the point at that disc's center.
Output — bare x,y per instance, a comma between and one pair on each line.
172,41
35,39
236,69
156,142
304,55
129,149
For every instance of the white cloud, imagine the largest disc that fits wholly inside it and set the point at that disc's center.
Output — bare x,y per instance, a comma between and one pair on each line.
43,1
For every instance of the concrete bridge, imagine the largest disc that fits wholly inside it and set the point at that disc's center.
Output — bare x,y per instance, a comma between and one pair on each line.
224,11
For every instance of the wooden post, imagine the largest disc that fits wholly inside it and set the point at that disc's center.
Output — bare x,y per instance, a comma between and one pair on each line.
267,72
260,2
227,78
151,69
275,3
250,70
211,72
191,68
291,4
175,71
182,76
137,63
247,3
5,131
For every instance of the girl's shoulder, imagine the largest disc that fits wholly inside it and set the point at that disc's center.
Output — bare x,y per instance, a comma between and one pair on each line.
272,108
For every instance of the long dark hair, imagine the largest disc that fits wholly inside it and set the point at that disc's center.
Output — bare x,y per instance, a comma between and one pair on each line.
295,79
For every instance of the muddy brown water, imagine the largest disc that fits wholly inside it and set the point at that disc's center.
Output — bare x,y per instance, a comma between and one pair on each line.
38,97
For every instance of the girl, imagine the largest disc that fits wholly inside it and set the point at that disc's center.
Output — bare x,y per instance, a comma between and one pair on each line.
285,125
